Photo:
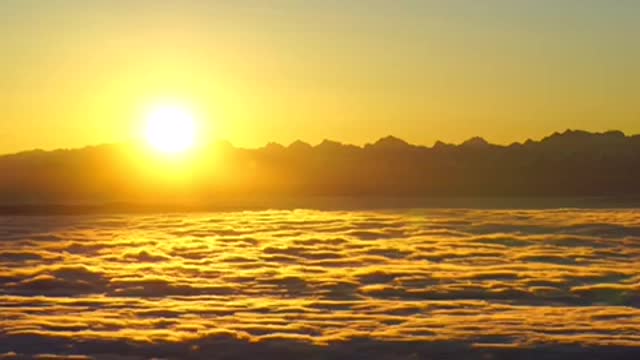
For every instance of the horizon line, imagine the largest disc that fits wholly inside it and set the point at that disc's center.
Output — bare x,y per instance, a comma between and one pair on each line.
479,138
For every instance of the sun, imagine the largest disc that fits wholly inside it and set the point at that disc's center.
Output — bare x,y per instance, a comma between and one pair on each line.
170,129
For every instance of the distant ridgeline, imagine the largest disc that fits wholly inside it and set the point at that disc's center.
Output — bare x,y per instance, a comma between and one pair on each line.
573,163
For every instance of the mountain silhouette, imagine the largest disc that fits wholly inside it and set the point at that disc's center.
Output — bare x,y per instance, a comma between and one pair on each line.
568,164
389,143
476,142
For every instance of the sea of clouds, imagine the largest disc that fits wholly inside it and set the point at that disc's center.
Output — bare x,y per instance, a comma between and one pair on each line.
407,284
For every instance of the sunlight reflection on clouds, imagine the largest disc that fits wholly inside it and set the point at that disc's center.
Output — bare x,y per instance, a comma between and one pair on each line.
485,278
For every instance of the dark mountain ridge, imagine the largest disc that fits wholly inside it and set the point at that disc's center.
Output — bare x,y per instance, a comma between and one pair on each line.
571,163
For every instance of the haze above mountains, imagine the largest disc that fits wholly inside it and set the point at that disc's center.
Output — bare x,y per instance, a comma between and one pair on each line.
573,163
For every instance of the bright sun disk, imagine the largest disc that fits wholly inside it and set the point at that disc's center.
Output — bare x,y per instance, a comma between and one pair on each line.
170,129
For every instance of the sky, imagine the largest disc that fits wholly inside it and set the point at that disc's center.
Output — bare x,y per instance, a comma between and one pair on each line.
82,72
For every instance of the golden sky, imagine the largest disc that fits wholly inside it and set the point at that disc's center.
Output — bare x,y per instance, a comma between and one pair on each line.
75,73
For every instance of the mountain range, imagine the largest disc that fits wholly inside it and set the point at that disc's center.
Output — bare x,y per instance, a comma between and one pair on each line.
573,163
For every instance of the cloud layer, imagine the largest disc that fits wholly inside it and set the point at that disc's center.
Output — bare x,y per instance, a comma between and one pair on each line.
302,282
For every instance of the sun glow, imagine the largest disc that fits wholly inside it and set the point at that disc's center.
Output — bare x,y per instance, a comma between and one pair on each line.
170,129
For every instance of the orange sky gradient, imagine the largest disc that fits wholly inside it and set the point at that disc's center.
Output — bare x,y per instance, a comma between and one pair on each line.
76,73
